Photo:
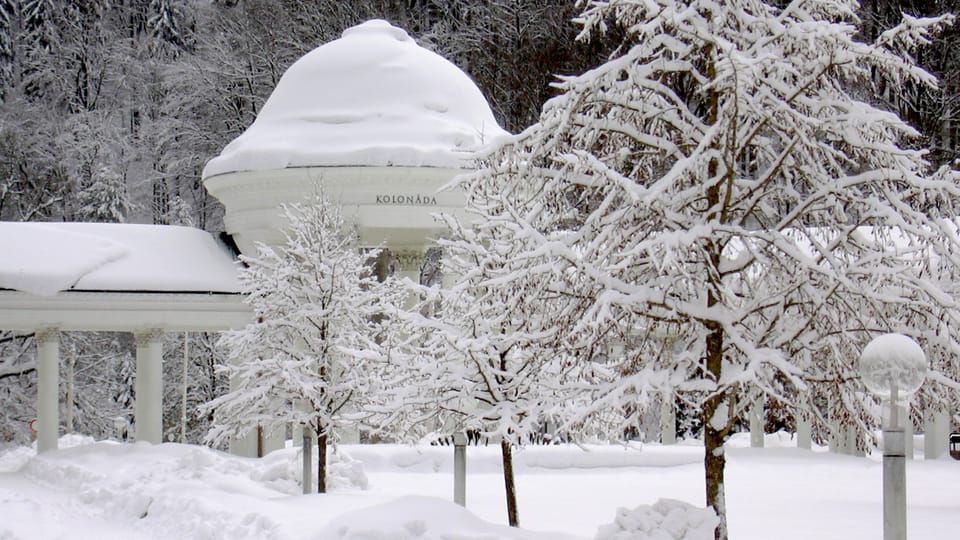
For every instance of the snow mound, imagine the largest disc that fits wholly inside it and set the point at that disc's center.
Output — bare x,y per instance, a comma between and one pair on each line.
285,467
418,518
667,519
15,457
371,98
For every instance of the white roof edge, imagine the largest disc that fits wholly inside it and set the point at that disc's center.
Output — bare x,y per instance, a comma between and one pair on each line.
123,312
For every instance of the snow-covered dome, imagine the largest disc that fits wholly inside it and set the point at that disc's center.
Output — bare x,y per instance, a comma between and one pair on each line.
371,98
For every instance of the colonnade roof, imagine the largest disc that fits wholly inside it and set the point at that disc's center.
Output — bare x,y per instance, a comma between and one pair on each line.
374,97
46,258
116,277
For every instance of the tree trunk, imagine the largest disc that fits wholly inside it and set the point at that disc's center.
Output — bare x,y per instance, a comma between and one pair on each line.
322,462
508,483
714,461
716,422
716,409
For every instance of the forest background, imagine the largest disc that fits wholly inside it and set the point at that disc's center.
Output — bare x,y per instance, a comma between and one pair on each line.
110,109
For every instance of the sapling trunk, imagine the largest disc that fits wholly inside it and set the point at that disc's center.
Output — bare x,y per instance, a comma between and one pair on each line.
322,462
508,483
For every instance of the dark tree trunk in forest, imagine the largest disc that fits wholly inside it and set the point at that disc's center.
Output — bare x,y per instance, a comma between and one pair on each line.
508,483
321,462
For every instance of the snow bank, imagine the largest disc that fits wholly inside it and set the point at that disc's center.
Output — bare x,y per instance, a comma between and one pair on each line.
283,467
418,518
371,98
112,491
665,520
45,258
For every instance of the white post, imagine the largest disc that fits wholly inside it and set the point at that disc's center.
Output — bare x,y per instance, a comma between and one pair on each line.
307,443
756,423
668,419
804,433
48,388
460,468
148,409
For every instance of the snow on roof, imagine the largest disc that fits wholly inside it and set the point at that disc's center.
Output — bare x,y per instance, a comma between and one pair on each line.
371,98
45,258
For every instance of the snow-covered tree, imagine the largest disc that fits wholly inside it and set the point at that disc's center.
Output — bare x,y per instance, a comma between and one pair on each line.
718,182
311,356
483,367
103,198
169,22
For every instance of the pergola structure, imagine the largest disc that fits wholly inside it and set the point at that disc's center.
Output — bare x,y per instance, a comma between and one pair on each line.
142,279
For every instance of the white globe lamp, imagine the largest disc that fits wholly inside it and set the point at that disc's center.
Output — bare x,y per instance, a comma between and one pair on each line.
893,366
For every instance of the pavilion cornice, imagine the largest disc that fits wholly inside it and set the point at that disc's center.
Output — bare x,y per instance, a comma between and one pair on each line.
122,311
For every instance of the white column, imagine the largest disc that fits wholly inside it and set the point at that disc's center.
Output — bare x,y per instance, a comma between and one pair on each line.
757,414
409,263
48,388
851,445
936,433
148,410
274,438
244,446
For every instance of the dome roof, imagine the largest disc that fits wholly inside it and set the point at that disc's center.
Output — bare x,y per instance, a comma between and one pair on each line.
371,98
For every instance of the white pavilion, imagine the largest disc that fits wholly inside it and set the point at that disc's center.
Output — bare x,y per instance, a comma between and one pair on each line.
372,119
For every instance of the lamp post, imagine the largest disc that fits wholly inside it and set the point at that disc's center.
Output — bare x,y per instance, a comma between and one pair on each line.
893,366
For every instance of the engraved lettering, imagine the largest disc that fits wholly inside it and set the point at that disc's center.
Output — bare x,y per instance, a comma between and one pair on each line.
419,199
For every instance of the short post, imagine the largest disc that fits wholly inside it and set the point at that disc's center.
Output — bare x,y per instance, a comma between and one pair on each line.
757,414
892,364
307,460
804,432
460,468
668,419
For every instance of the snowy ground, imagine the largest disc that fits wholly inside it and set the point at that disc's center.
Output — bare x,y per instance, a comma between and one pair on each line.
137,491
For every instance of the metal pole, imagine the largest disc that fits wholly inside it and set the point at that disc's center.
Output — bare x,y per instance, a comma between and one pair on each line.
307,460
183,409
894,476
460,468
